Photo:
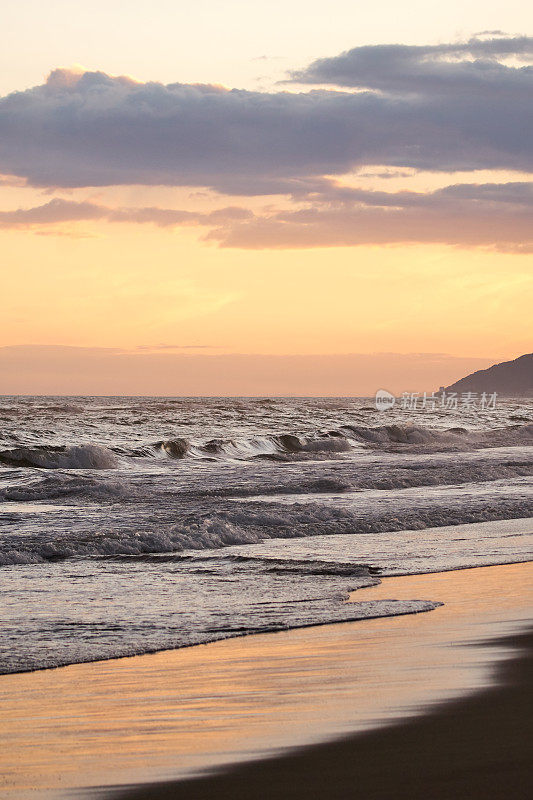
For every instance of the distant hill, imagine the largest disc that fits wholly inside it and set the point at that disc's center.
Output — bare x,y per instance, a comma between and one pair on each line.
508,379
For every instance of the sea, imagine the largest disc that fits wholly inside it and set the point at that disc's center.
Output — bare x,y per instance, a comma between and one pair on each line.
130,525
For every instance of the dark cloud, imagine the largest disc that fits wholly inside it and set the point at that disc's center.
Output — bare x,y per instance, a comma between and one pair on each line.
475,67
516,193
513,192
444,108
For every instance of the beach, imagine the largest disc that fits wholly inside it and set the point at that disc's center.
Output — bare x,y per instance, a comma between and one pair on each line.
475,748
424,680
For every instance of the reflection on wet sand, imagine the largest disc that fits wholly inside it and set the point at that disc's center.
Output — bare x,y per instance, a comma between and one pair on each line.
161,716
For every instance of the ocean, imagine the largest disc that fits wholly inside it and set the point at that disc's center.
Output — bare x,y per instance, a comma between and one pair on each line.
130,525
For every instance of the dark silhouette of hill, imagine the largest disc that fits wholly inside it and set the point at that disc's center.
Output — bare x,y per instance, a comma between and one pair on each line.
510,379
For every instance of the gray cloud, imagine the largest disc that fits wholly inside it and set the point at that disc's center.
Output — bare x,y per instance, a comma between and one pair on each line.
429,112
516,193
459,69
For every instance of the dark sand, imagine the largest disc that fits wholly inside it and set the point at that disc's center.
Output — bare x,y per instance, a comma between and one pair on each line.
475,748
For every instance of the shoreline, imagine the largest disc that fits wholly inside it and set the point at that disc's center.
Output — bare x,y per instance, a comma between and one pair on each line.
173,714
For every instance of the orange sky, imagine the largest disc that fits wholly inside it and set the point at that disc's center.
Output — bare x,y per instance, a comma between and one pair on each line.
407,263
126,284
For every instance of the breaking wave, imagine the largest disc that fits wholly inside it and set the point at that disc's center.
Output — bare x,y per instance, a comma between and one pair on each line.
283,447
411,434
349,438
310,567
63,485
18,484
85,456
291,446
253,522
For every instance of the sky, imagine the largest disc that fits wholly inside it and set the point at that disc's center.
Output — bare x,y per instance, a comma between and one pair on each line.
263,198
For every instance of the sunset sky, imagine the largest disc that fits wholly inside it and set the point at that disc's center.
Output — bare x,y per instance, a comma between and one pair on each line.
263,197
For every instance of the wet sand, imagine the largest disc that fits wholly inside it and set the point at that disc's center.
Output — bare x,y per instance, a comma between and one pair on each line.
147,719
479,748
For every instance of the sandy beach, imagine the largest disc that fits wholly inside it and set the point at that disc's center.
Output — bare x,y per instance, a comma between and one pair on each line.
111,726
473,748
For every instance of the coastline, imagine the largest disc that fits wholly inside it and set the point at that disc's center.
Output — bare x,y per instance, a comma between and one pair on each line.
153,718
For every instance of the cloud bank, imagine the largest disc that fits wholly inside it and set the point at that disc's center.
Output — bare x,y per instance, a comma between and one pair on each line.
444,108
468,215
28,369
447,107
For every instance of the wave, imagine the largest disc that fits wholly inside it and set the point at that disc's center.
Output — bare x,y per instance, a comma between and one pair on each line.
310,567
349,438
383,478
82,647
85,456
274,446
318,478
411,434
346,439
283,447
254,522
64,485
175,448
65,408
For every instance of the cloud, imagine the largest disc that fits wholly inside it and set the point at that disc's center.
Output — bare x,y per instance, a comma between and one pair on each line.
499,216
61,211
161,347
492,215
56,210
323,190
347,228
325,214
458,69
443,108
